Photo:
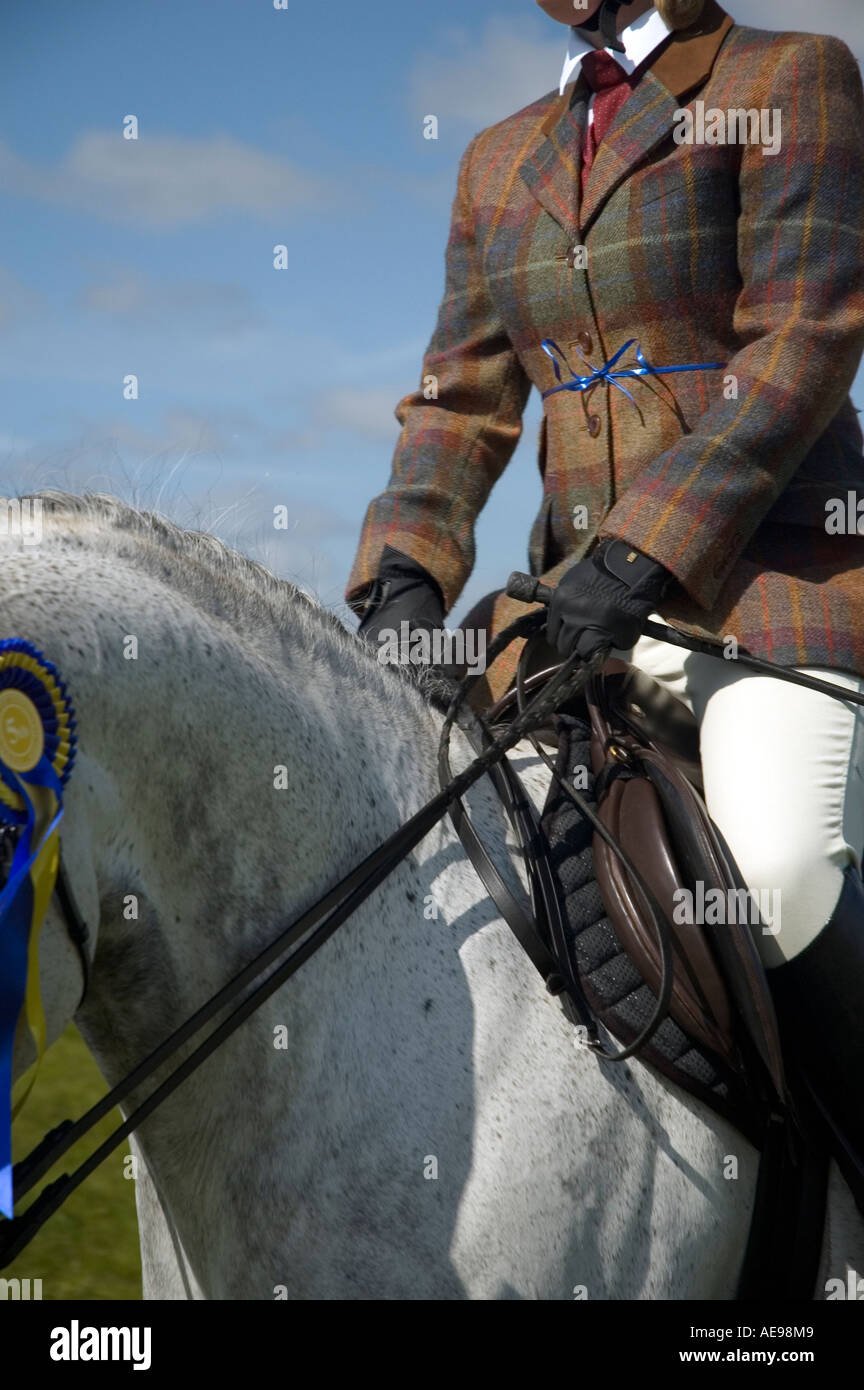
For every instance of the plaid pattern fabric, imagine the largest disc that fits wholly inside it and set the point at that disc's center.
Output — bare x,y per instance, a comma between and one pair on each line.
704,253
612,86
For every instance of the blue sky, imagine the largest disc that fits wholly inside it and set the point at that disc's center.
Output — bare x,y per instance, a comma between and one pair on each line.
154,257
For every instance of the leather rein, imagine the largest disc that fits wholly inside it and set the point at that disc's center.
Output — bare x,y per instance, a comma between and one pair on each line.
305,935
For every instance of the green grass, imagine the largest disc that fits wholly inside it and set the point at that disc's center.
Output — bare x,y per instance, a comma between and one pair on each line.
89,1248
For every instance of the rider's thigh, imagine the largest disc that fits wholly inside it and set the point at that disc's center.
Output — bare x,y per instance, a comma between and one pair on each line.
660,660
783,770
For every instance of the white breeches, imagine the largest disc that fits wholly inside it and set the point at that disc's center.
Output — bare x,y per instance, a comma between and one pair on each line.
783,771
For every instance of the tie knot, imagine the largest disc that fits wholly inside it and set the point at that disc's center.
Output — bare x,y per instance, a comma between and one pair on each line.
602,72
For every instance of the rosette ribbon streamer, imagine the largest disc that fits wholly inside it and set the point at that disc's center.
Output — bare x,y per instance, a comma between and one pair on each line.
37,750
605,373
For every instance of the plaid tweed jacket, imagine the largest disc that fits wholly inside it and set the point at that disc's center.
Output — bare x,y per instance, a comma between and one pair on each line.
702,253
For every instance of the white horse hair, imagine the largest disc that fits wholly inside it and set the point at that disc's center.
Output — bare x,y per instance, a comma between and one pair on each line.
409,1116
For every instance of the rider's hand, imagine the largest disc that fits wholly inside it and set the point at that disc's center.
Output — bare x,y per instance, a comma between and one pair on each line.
605,600
402,592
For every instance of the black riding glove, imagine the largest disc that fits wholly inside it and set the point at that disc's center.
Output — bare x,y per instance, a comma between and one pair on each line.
605,599
402,592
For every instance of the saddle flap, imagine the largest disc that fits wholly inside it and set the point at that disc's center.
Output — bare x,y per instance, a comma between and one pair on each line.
632,812
706,854
661,822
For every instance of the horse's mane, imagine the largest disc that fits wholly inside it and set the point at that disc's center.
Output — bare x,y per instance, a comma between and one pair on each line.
237,578
220,579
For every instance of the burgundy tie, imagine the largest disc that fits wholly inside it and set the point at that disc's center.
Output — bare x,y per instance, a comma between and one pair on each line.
611,84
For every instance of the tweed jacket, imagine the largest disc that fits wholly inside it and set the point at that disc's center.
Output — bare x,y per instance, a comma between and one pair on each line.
711,252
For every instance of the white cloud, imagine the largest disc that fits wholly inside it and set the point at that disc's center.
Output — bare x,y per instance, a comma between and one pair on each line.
476,80
164,181
203,306
367,412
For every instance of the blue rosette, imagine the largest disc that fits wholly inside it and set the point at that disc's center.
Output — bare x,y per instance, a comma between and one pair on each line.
29,678
37,753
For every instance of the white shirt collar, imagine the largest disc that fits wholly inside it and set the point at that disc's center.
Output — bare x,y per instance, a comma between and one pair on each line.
639,39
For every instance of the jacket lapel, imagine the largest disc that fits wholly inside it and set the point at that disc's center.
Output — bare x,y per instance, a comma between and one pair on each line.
643,122
552,170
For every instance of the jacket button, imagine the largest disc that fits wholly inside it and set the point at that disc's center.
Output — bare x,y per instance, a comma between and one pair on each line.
595,424
585,341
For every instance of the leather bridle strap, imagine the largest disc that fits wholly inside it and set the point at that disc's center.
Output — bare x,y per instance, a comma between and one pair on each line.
524,926
316,925
76,927
553,961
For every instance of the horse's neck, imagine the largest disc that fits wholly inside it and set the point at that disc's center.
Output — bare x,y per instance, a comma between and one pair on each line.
220,859
409,1116
418,1038
246,789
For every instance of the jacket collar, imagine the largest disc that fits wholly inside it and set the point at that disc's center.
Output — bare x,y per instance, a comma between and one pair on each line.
639,39
552,168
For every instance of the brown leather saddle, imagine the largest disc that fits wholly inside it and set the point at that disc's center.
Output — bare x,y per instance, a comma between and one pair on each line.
648,785
645,757
643,747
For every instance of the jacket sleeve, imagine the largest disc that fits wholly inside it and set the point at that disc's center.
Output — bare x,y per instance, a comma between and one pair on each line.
799,315
459,429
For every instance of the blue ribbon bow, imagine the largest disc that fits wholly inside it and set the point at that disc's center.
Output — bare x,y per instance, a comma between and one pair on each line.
605,373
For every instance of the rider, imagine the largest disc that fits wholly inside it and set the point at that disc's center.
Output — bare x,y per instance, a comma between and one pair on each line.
712,495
